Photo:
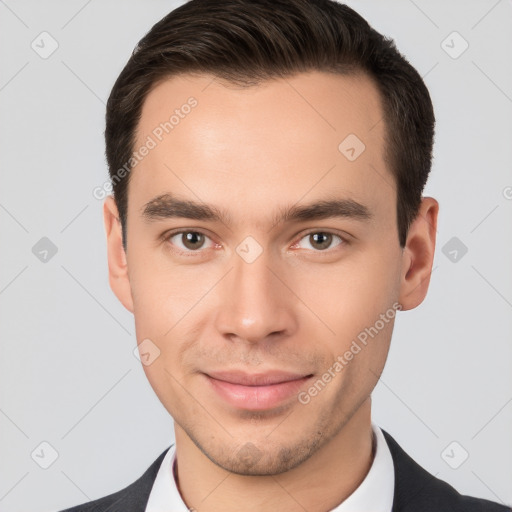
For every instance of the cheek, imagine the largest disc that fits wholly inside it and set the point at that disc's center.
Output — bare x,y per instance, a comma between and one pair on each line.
169,311
165,383
344,299
163,295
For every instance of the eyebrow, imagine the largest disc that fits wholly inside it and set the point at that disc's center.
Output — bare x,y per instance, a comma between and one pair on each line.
166,206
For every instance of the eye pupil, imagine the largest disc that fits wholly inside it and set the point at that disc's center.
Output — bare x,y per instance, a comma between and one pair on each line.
323,240
191,238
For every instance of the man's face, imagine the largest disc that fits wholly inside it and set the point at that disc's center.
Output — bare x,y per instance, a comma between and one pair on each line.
238,305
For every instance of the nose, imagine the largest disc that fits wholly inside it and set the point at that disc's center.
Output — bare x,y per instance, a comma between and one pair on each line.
256,305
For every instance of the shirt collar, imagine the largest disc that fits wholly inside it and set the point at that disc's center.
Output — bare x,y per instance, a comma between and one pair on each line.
375,492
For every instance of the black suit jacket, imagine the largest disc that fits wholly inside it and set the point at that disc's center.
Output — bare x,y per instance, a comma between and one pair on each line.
416,490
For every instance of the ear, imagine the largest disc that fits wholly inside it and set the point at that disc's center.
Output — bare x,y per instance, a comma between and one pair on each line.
418,255
117,263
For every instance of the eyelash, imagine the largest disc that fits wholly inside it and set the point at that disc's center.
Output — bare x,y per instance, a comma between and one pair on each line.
168,235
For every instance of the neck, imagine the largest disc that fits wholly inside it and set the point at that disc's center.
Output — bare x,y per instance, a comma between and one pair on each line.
321,482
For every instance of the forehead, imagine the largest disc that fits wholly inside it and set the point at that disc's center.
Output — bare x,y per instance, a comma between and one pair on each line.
259,146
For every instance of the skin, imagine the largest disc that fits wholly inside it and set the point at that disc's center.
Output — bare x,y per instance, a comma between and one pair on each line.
297,307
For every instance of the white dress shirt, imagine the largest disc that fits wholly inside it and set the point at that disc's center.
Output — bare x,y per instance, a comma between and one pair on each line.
375,493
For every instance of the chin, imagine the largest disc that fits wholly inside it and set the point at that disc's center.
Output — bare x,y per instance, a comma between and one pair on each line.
261,459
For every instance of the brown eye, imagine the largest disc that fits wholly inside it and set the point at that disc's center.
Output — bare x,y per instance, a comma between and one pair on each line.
320,240
192,240
188,241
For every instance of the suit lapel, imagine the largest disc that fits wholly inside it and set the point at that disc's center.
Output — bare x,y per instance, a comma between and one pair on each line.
416,490
134,498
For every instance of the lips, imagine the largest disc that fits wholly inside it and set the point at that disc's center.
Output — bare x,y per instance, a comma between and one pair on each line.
256,392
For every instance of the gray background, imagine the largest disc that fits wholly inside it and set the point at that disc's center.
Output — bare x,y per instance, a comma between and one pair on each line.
68,374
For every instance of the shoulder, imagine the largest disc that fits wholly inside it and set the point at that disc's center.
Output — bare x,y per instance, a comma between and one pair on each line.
132,498
417,490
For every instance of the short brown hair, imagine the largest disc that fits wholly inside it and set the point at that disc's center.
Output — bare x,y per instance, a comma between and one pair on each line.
249,41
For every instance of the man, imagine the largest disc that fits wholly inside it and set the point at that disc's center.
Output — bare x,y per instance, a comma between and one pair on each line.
289,143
